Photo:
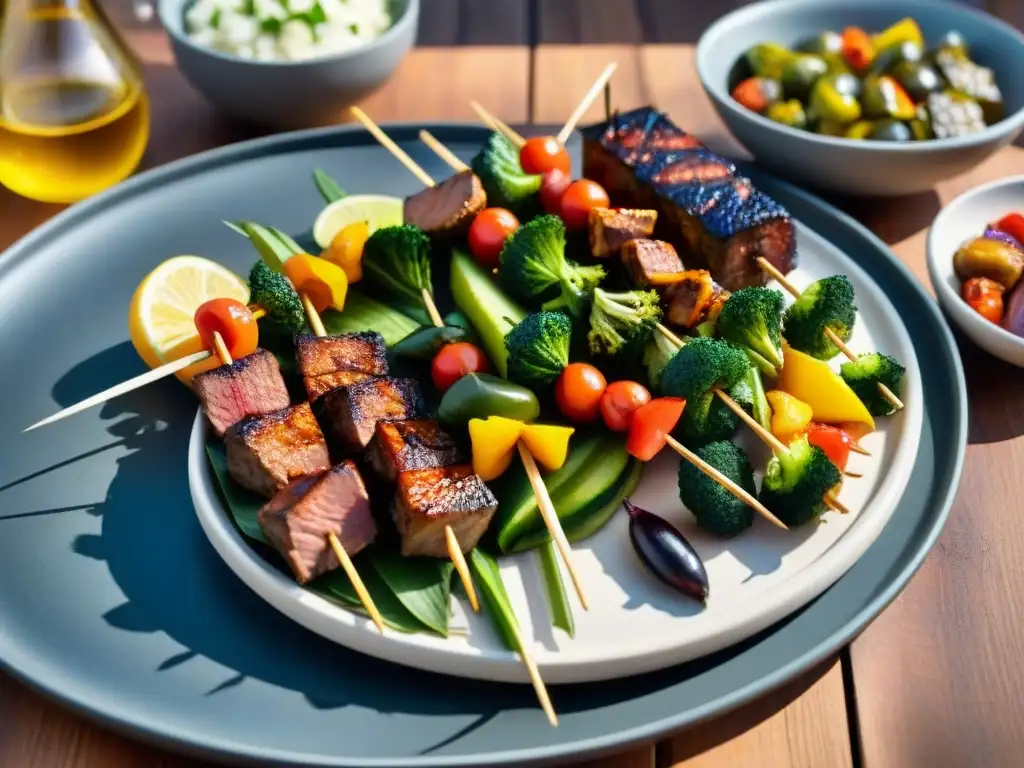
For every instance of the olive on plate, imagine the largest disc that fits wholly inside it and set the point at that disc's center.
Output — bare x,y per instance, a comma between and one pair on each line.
826,42
767,59
799,74
831,99
918,79
789,113
890,130
889,58
884,97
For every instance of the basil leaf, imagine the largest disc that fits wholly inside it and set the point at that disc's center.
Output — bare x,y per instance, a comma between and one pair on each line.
421,584
365,314
554,588
328,187
243,505
487,577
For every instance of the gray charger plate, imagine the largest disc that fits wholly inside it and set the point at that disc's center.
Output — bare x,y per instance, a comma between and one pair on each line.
113,602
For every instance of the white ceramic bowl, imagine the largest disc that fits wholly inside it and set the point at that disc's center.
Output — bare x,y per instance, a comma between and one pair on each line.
964,218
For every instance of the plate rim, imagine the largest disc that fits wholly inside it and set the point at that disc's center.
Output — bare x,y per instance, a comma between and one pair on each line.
137,725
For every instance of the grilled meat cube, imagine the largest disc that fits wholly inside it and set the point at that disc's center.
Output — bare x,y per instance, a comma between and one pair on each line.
448,208
398,446
250,385
610,228
427,500
651,263
723,225
318,386
297,520
268,451
364,352
350,414
689,300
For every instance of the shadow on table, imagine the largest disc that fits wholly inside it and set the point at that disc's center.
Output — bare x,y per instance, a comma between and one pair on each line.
915,213
997,385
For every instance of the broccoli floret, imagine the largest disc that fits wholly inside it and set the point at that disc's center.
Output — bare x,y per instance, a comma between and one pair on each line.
657,352
714,508
272,291
533,261
619,319
705,419
700,366
397,259
827,303
538,348
750,319
864,376
749,392
506,183
796,482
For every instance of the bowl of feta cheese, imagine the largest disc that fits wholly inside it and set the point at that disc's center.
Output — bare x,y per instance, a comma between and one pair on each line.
288,64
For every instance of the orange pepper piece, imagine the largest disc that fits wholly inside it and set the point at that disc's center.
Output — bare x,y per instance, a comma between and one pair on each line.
857,48
346,249
325,283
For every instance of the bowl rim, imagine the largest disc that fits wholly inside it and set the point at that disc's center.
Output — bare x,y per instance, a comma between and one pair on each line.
408,17
750,14
935,250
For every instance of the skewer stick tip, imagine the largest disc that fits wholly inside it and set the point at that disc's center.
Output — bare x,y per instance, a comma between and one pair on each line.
461,567
357,582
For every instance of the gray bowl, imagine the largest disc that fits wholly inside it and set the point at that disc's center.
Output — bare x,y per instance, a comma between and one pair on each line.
290,94
849,166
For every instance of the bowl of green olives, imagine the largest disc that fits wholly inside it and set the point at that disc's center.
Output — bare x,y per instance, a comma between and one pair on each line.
865,97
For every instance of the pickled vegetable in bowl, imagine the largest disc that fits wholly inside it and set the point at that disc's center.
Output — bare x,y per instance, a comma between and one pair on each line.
886,86
989,268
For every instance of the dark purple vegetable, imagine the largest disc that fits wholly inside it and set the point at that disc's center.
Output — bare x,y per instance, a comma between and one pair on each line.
1013,315
666,553
998,234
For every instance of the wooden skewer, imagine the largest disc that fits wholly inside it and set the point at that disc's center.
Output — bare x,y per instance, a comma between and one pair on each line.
538,683
393,148
497,125
858,448
442,151
780,278
584,105
431,307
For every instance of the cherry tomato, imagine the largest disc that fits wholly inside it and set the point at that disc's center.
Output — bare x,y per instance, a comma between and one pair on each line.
542,153
1013,225
620,401
488,233
579,199
552,186
578,392
233,321
651,426
985,297
453,361
832,440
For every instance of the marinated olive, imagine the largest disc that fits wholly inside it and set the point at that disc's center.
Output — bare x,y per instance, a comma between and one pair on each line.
903,31
767,59
977,82
800,72
890,130
954,115
884,97
887,59
848,84
994,259
830,103
918,79
836,64
952,41
789,113
859,130
830,128
758,93
921,125
826,42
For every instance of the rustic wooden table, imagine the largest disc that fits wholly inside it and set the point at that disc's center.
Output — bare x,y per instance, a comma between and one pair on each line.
936,681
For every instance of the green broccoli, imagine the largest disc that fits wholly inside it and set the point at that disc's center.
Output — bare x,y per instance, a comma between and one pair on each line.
864,376
620,319
750,319
657,352
702,365
272,291
715,509
506,183
397,259
538,348
705,419
827,303
796,482
533,261
749,392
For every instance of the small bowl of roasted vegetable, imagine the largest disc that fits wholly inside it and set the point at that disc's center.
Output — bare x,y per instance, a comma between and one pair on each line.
866,97
976,263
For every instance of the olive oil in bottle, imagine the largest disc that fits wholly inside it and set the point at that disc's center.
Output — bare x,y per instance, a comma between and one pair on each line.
74,117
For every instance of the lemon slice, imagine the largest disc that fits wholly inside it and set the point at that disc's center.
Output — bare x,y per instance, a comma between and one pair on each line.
161,316
377,210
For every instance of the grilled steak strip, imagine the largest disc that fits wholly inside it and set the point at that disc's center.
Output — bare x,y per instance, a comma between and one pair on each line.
716,219
448,208
250,385
398,446
328,362
689,301
652,263
318,386
610,228
268,451
350,414
297,520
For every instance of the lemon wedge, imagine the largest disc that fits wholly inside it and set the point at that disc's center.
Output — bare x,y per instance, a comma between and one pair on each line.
377,211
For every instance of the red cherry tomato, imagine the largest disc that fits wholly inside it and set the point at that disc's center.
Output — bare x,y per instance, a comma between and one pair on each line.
453,361
233,321
620,401
488,233
651,426
832,440
1013,225
579,199
542,153
552,186
578,392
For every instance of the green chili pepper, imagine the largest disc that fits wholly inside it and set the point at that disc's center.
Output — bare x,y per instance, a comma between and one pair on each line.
327,186
479,395
424,343
274,251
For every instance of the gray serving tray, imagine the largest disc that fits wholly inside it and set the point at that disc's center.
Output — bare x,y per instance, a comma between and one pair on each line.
114,603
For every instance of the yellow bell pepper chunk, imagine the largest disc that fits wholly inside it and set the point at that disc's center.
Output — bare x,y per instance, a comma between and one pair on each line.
813,381
548,444
325,283
790,416
903,31
346,249
494,445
